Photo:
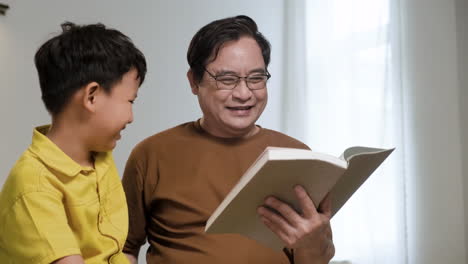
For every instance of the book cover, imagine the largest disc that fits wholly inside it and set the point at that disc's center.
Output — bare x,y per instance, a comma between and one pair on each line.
276,171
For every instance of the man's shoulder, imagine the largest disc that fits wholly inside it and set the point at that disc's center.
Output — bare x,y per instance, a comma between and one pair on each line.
279,139
166,137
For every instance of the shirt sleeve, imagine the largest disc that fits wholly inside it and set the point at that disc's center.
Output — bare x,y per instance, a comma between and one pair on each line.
36,230
133,186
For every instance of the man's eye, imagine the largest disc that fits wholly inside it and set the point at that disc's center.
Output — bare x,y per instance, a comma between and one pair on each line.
256,79
227,79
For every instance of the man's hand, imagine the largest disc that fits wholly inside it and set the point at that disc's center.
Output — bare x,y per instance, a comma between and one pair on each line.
309,233
131,258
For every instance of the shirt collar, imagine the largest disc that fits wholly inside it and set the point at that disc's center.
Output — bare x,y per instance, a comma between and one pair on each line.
55,158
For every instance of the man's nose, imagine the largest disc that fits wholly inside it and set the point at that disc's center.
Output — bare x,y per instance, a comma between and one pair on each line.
242,90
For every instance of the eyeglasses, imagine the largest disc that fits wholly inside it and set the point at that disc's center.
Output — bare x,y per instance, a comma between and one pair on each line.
255,81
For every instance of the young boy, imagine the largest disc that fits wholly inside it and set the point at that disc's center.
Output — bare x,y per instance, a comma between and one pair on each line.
63,201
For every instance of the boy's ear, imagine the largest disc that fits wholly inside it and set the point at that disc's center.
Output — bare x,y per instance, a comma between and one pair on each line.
90,93
193,83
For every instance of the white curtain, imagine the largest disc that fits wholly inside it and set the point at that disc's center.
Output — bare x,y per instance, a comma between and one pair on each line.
343,88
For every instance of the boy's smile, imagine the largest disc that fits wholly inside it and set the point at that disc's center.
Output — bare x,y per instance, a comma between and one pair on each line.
114,111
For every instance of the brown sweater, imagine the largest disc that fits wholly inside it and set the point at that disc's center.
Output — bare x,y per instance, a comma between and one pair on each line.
173,182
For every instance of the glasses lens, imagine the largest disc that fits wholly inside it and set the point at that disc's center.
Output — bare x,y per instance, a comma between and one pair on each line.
256,82
227,82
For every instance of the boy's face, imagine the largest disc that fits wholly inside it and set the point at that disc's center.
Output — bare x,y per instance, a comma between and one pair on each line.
113,112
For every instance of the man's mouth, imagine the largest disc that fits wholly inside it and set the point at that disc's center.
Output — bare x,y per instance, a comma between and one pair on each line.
239,107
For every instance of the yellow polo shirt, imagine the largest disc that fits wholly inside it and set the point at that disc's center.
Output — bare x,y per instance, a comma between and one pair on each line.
51,207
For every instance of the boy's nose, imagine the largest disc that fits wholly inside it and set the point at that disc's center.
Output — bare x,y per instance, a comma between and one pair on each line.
130,119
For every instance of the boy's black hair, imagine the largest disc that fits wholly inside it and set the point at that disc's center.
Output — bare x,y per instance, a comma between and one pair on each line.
81,55
206,43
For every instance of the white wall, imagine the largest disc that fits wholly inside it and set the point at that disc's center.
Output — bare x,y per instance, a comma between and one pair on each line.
462,44
161,29
436,228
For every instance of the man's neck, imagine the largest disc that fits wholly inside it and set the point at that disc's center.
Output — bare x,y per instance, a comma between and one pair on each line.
229,134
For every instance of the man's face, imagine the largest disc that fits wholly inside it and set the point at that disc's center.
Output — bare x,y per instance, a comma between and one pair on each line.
232,113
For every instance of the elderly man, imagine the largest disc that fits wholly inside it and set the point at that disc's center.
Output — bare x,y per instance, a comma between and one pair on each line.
175,179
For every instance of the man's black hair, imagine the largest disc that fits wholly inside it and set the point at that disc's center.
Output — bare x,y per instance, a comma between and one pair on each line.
206,43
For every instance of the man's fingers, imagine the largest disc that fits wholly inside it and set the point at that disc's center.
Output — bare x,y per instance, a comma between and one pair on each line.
288,213
307,205
277,220
277,225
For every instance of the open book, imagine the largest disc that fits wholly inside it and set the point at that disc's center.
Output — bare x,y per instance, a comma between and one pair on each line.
276,171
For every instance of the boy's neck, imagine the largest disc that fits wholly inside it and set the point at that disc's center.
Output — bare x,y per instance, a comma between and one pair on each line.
67,138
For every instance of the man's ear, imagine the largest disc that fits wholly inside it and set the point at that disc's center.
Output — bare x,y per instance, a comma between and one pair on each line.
90,93
193,83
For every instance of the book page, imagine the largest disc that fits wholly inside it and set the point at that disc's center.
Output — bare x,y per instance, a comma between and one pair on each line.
357,150
362,163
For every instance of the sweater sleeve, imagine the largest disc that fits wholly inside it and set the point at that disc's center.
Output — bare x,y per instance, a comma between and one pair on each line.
133,183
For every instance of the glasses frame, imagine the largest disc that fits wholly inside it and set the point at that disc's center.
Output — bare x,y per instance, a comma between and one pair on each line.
215,77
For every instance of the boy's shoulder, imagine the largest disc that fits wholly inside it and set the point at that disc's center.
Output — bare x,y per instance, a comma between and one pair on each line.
26,170
27,175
